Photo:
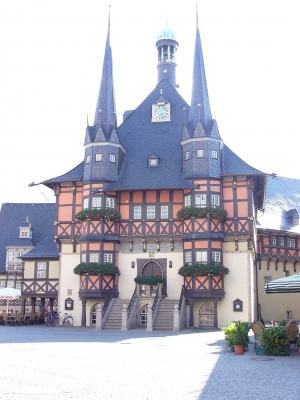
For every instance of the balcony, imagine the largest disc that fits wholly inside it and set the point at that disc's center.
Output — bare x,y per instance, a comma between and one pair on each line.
97,286
204,286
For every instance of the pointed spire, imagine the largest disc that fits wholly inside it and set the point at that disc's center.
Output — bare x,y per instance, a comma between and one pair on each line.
87,138
106,97
99,137
199,92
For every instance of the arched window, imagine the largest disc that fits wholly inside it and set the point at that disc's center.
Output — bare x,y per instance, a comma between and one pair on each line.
143,315
93,314
206,315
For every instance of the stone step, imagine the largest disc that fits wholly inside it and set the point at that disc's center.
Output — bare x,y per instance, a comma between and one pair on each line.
114,318
165,315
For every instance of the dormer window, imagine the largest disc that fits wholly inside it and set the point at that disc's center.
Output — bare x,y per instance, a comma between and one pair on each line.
153,161
26,231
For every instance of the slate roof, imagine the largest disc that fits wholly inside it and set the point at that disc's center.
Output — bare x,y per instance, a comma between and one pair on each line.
14,215
282,199
142,138
233,164
73,175
45,249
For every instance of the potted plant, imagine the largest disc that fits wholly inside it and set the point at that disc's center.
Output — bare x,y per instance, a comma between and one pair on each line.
275,341
239,340
229,332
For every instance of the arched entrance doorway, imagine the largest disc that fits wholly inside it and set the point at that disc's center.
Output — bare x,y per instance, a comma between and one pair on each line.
94,314
143,315
206,315
152,268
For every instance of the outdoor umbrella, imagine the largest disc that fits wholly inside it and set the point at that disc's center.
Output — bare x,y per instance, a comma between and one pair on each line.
289,284
9,293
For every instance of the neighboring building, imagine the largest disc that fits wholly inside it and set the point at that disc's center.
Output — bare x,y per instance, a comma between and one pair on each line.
166,156
278,252
23,227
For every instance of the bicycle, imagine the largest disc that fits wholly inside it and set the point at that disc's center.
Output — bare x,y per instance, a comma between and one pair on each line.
54,319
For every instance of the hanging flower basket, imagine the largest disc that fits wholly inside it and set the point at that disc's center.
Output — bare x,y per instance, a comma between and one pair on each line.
203,269
205,212
104,214
96,269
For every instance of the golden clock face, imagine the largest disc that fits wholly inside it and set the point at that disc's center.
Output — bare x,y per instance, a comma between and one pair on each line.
160,112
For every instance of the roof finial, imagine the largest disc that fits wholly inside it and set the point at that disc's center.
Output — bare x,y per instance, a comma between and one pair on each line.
197,14
184,119
87,120
166,23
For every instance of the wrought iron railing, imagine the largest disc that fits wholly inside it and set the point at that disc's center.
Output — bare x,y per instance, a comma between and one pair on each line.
181,298
108,300
155,300
132,301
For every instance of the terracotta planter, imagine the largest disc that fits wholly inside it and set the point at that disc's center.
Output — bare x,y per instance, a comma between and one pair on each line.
239,349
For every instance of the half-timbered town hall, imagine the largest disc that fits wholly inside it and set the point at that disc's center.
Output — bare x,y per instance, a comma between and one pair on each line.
157,224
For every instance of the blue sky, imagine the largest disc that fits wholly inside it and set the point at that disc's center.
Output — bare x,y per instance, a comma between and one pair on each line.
51,63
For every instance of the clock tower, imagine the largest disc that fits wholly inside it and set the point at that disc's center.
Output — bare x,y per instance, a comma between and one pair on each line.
166,45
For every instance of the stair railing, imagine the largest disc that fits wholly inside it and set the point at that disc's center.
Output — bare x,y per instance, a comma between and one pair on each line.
154,308
131,303
131,310
181,298
182,312
108,303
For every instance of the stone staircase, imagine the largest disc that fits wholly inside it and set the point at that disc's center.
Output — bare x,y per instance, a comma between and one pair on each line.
114,318
165,315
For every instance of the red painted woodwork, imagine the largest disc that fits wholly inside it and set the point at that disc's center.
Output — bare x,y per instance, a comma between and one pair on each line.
92,286
203,286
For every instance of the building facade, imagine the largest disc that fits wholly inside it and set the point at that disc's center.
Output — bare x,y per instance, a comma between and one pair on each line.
24,231
158,192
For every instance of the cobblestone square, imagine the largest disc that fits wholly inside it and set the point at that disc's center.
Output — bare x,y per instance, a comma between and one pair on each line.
38,362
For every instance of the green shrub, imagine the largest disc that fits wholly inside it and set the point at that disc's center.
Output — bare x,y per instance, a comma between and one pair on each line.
148,280
239,336
274,341
230,331
203,269
283,322
104,214
96,269
205,212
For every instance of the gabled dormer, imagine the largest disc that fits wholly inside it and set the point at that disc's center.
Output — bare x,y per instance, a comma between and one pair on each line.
25,230
293,216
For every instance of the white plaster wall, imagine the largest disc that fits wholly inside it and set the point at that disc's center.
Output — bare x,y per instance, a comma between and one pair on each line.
237,284
68,280
29,269
53,269
274,306
126,281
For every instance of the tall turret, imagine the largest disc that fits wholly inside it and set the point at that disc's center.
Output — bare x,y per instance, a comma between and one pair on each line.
167,44
103,151
200,108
